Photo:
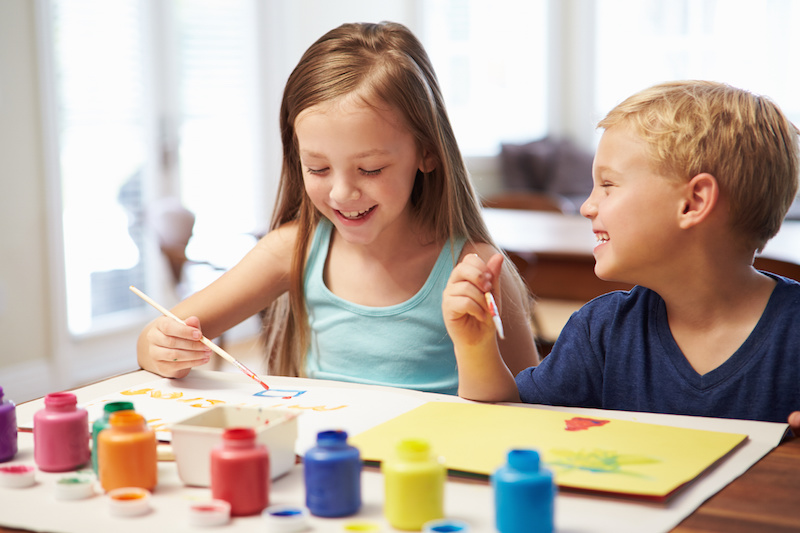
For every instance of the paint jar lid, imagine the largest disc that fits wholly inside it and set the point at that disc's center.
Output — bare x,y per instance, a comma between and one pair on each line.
362,526
76,487
61,400
128,501
445,525
17,476
209,514
285,518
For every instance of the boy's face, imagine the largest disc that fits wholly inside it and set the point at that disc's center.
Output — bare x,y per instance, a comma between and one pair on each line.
634,211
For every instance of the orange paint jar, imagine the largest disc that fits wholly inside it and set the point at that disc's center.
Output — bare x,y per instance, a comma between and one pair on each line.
126,453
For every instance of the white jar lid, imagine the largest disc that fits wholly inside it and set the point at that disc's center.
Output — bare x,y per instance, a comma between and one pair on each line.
445,525
362,526
77,487
128,501
210,513
17,476
285,518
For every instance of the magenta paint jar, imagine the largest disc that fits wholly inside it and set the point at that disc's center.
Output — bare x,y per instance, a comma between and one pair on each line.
8,429
61,434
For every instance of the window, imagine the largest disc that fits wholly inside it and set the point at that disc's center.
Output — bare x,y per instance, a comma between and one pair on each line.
149,99
99,98
491,60
643,42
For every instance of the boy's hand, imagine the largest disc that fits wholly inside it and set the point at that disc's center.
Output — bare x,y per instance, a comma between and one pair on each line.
466,315
794,423
174,348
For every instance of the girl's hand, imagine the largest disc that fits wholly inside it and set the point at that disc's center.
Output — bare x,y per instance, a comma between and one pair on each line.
172,348
466,314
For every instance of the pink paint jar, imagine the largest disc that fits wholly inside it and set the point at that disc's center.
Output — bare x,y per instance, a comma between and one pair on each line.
61,434
240,472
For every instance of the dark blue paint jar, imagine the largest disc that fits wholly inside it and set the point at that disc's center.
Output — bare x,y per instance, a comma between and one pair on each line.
332,471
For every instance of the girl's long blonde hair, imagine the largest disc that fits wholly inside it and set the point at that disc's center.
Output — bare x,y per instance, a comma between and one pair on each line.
384,65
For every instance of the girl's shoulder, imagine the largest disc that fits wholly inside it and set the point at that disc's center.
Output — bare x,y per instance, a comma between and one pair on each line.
282,238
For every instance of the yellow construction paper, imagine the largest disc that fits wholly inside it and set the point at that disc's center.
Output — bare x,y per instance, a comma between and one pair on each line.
597,454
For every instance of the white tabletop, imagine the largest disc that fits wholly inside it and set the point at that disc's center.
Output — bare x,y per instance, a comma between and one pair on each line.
471,501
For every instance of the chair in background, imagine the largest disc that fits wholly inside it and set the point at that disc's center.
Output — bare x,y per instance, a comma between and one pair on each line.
776,266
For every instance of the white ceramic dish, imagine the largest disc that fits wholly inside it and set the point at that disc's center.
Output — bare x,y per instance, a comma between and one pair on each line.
193,439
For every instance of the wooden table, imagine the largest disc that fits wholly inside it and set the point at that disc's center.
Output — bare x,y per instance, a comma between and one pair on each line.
765,498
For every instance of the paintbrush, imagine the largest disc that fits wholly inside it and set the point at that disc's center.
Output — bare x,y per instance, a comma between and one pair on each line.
219,351
498,325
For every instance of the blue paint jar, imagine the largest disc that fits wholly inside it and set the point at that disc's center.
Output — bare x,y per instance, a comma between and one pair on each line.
332,471
8,429
524,494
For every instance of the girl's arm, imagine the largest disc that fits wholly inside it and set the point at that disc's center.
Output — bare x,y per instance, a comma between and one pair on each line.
486,364
171,349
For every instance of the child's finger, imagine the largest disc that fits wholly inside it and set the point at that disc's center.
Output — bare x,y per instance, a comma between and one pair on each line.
494,264
473,270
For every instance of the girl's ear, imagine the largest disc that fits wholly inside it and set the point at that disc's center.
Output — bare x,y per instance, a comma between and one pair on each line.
702,195
429,162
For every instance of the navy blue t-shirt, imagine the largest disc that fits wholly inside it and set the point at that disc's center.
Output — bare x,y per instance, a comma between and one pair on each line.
617,352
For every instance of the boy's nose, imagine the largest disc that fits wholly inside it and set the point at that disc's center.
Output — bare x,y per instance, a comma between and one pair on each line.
589,208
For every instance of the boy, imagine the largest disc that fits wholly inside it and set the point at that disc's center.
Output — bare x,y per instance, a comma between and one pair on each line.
691,179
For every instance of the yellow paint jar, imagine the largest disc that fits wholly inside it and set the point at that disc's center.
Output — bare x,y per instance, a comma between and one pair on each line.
414,485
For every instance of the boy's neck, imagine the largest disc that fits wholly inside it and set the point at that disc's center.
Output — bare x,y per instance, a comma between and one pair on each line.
714,311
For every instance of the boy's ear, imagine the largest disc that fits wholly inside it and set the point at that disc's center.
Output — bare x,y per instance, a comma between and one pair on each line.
429,161
702,195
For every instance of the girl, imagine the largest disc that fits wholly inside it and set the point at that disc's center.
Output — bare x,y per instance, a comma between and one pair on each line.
374,209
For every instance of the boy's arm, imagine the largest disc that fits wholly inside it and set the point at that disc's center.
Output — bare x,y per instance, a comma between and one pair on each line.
482,371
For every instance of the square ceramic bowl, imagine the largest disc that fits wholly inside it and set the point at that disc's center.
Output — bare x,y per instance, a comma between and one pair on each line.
193,439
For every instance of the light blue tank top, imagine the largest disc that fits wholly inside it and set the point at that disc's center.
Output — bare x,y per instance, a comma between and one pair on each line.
404,345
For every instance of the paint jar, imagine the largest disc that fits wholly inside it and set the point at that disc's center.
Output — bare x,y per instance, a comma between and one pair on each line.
414,485
332,471
524,494
61,434
240,472
103,422
8,428
126,453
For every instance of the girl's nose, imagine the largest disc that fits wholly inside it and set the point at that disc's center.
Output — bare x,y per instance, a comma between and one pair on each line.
344,189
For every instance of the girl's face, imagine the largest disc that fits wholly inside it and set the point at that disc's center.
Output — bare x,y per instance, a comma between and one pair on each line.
359,164
633,209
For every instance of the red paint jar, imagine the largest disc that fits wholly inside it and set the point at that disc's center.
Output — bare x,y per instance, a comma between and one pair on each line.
61,434
240,472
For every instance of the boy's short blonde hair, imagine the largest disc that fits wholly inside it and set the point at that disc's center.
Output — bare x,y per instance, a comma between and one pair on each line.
742,139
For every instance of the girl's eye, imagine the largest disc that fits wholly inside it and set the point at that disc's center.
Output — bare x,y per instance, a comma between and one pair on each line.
371,172
316,171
